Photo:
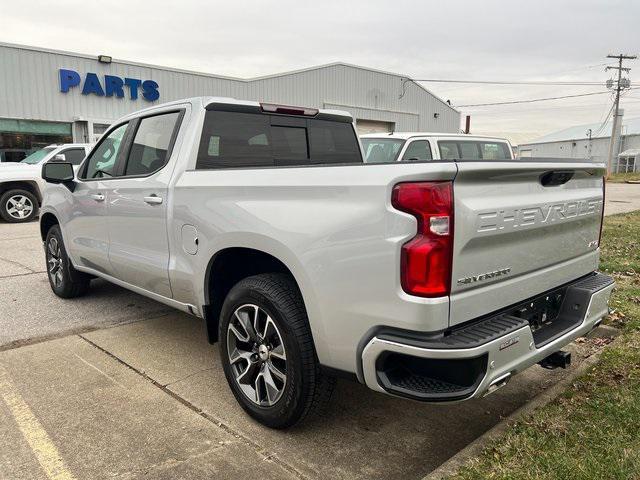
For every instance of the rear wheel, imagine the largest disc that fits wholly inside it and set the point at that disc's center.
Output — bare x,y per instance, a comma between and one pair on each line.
268,354
18,206
65,281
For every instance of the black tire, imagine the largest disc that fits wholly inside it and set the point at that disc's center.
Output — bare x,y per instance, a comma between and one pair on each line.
306,390
12,210
65,281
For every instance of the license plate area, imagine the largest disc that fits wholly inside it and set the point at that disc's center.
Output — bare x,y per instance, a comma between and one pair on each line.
559,311
544,315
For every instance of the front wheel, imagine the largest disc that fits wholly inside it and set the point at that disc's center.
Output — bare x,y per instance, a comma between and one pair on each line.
65,281
268,354
17,206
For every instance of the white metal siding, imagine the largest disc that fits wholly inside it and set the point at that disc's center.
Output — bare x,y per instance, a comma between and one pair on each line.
366,94
566,149
29,89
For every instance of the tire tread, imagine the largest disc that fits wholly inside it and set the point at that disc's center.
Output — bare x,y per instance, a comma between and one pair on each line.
284,292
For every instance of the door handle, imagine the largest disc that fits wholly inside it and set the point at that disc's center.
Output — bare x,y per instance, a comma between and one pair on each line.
153,200
98,197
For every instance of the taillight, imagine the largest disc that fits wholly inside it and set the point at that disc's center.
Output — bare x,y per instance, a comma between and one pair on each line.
604,189
426,258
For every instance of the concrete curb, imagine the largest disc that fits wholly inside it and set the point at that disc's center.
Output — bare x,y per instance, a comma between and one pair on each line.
475,448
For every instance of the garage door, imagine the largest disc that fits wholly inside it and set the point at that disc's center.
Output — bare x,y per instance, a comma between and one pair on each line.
373,126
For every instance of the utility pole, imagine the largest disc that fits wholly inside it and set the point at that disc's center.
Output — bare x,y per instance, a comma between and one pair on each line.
621,84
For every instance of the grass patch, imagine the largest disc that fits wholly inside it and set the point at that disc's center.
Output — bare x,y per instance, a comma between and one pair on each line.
623,177
593,429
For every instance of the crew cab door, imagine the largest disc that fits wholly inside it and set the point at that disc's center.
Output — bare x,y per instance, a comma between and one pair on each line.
137,206
86,230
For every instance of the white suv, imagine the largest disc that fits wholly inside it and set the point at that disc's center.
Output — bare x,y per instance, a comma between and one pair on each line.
21,184
420,147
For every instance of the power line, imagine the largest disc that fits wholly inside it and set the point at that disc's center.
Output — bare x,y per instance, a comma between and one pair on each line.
500,82
532,100
494,82
604,122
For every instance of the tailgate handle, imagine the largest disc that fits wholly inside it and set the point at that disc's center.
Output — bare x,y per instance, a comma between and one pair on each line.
556,177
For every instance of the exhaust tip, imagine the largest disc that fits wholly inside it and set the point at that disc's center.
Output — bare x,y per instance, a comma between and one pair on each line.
498,383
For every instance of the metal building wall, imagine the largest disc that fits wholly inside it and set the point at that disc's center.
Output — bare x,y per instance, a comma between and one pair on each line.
566,149
365,93
29,89
30,86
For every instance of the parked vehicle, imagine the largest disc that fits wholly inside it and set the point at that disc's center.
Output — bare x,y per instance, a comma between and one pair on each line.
422,147
21,182
431,281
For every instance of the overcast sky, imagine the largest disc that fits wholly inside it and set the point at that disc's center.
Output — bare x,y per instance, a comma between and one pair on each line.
516,40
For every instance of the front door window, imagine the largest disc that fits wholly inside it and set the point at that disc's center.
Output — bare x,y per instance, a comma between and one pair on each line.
103,159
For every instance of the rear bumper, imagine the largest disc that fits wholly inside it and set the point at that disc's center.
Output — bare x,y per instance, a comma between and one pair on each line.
477,358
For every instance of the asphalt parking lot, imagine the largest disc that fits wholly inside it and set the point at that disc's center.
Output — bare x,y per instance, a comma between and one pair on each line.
113,385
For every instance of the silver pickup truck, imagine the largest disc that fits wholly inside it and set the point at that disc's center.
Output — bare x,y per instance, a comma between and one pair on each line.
435,280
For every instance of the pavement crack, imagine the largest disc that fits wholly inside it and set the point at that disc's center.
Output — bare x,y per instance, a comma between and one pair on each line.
188,376
18,264
20,274
104,374
167,464
267,455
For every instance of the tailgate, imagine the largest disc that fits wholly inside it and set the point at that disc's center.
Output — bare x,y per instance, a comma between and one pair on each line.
521,228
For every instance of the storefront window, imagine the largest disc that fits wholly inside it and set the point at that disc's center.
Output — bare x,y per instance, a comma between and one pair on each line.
20,138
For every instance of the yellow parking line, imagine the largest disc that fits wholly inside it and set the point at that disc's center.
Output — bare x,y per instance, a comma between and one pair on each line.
36,436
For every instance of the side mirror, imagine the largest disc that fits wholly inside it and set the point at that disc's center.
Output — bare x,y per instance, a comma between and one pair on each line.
59,172
59,157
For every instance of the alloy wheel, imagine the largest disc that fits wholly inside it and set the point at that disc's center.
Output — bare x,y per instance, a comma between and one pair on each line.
54,261
257,355
19,206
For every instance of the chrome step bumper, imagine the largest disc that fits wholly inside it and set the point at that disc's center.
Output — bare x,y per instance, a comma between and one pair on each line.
483,356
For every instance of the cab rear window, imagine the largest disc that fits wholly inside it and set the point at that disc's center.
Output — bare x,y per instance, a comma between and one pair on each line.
239,139
473,150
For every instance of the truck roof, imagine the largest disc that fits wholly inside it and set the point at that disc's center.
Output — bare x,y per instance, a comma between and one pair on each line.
408,135
203,102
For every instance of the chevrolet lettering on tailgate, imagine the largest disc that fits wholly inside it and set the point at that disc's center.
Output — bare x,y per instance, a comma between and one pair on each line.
517,218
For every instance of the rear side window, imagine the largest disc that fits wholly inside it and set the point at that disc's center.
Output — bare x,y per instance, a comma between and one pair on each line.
495,151
468,150
473,150
381,150
417,151
448,150
238,139
150,147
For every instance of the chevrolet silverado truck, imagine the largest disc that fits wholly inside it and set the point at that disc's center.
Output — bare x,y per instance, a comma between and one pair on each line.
436,281
21,182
